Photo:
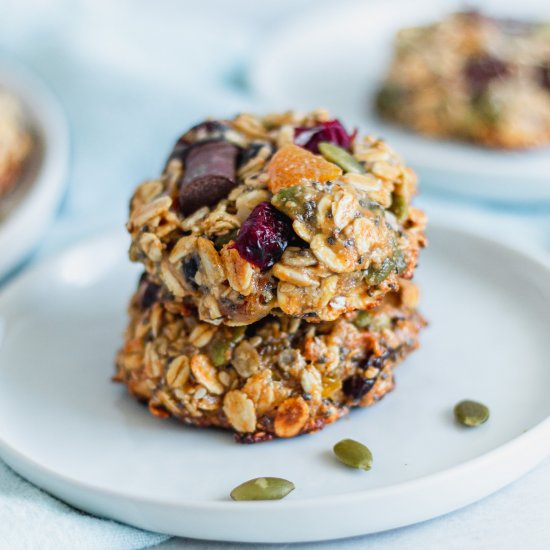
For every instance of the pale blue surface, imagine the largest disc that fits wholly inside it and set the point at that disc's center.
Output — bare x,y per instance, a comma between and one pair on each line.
131,75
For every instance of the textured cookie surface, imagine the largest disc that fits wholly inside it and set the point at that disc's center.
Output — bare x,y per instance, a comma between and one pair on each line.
279,377
283,214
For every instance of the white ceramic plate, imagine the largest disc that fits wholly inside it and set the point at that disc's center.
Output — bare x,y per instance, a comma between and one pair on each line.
26,212
336,57
65,426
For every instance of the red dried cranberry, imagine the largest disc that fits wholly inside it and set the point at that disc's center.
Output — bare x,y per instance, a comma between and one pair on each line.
331,131
356,387
263,236
481,70
545,76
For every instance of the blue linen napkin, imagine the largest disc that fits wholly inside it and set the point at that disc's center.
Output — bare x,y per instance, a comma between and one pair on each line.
32,519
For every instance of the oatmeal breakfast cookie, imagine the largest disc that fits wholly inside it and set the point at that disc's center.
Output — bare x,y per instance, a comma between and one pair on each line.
15,142
472,77
278,377
285,214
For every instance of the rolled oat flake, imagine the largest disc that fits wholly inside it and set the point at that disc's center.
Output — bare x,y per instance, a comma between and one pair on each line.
353,454
471,413
263,488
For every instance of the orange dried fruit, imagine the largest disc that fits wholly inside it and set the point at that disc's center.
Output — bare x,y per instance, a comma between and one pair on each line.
291,416
291,164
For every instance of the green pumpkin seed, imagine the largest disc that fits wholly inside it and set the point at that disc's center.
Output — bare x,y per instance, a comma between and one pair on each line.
363,319
219,353
374,275
263,488
471,413
222,240
341,157
353,454
292,200
219,349
399,207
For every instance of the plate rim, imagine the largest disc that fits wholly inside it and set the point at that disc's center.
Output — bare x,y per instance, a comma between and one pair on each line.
115,238
40,201
486,187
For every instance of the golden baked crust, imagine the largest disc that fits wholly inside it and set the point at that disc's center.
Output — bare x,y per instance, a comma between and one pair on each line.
279,377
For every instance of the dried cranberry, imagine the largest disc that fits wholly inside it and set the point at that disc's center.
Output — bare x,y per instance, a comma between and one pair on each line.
356,387
263,236
481,70
545,76
331,131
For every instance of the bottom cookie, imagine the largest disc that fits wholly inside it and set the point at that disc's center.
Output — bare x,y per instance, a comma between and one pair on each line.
279,377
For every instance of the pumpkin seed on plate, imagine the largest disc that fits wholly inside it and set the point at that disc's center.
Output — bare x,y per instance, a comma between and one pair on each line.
263,488
353,454
471,413
341,157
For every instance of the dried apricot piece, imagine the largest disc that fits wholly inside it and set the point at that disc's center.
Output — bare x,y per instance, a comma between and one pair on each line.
291,164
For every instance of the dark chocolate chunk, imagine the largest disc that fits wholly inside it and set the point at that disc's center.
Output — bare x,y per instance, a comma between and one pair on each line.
356,386
149,294
209,175
210,130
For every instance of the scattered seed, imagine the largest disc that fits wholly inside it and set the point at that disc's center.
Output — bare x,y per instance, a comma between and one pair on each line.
263,488
353,454
471,413
341,157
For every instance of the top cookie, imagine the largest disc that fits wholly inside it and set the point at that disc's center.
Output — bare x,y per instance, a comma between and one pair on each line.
285,214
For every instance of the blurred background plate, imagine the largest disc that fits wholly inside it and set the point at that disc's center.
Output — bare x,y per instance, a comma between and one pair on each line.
26,212
336,58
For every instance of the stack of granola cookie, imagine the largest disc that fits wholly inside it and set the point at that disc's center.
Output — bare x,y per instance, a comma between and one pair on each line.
276,295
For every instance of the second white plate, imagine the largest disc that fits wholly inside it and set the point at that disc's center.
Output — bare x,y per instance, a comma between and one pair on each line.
27,210
336,58
65,426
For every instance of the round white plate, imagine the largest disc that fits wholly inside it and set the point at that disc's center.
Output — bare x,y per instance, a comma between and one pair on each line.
65,426
336,57
26,212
